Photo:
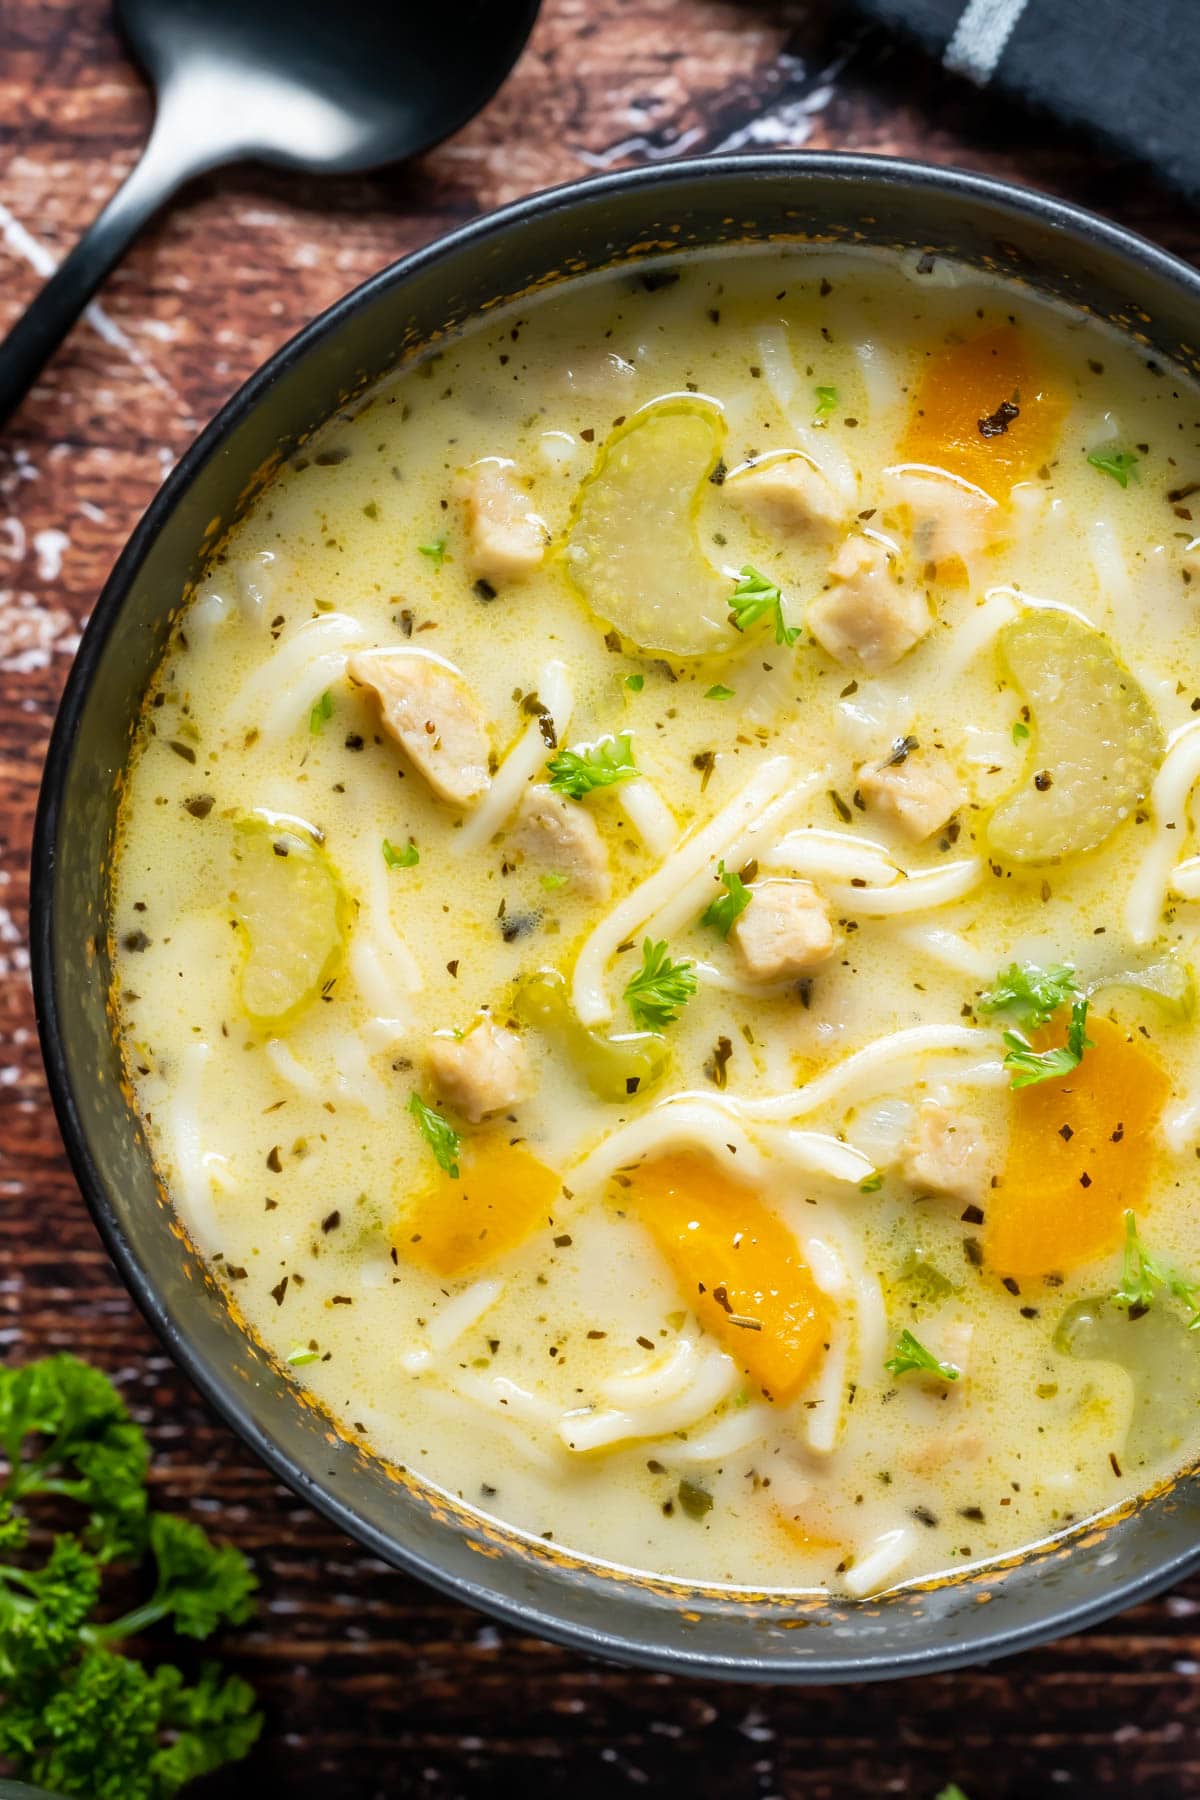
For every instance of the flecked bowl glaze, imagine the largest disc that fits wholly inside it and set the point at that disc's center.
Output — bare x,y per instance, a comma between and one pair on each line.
779,1637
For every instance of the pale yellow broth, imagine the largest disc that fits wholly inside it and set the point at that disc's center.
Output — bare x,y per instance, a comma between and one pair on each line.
291,1153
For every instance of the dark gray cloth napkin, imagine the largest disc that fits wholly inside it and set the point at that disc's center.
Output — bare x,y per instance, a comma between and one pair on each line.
1128,70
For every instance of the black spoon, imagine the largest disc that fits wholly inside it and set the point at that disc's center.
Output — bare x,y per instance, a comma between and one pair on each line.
322,85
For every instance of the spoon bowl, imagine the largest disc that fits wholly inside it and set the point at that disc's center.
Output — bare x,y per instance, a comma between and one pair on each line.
296,84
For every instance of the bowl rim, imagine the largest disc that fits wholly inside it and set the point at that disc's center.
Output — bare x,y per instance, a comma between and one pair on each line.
854,169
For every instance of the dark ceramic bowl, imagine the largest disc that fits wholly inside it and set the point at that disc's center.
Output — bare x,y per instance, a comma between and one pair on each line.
618,219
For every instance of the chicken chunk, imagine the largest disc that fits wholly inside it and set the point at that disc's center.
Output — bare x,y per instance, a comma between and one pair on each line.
789,493
867,619
562,836
425,704
946,1153
486,1071
945,1450
507,539
918,794
785,931
948,518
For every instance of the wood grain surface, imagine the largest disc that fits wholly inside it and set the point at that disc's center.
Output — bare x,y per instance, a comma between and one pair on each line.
373,1686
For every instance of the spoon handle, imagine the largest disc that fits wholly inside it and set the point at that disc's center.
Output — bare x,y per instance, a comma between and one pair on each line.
39,331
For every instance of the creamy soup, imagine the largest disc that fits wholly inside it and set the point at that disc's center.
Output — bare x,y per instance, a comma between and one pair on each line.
653,914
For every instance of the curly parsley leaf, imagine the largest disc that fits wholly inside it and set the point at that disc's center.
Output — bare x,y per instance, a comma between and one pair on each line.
1120,464
910,1354
1032,994
1143,1275
721,912
577,772
75,1715
112,1730
200,1585
435,551
1029,1065
90,1451
438,1133
754,598
660,988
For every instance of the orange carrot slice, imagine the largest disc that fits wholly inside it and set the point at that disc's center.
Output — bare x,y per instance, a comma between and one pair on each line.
804,1538
1080,1153
735,1261
454,1227
961,419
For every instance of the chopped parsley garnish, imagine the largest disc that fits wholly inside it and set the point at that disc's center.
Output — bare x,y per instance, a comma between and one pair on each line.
1029,1065
76,1713
953,1792
1032,994
577,772
1020,732
872,1184
436,551
635,683
756,598
1120,464
297,1358
1142,1275
910,1354
438,1133
406,857
320,712
719,693
721,912
554,880
827,399
660,987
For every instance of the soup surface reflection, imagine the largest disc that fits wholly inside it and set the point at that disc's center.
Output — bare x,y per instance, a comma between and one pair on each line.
654,911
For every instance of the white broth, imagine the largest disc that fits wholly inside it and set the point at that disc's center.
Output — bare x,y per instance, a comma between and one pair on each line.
653,917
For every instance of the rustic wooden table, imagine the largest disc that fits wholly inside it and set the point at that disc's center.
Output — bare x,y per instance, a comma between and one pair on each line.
373,1686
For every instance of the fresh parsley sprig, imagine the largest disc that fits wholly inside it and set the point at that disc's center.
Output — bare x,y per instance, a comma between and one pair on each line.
755,597
910,1354
721,912
438,1133
577,772
1142,1275
1029,1065
1032,995
75,1714
660,988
